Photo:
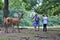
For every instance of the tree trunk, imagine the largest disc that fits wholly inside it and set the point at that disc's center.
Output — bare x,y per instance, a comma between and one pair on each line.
6,14
5,8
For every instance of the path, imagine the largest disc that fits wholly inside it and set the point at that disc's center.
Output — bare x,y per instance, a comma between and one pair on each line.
30,34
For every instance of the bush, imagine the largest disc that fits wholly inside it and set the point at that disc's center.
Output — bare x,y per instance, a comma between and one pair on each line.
27,20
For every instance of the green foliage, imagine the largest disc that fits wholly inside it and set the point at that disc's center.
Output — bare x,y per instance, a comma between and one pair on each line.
27,20
21,4
28,6
50,7
1,5
52,20
31,2
15,5
1,17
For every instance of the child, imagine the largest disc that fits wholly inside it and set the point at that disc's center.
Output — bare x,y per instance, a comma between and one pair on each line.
45,22
36,22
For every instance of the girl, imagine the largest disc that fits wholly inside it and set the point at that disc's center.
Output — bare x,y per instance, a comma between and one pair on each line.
45,22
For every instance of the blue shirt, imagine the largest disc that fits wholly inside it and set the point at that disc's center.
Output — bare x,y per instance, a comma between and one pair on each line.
35,23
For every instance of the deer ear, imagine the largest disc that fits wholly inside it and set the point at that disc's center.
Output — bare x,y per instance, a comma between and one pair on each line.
22,14
18,13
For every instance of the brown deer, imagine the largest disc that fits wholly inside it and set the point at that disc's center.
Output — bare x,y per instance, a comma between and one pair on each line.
13,21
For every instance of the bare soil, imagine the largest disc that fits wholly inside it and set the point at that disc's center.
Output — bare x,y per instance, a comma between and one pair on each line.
30,34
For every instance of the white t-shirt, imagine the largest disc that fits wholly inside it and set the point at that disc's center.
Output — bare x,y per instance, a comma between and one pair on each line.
45,20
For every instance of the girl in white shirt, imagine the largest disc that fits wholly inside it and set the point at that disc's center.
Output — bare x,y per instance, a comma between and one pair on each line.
45,22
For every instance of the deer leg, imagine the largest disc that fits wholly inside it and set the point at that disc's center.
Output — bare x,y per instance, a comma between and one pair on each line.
18,27
12,28
6,28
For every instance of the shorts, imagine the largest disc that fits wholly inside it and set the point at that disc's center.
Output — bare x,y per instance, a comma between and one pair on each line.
36,24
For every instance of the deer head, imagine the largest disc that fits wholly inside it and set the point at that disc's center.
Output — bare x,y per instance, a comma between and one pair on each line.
20,15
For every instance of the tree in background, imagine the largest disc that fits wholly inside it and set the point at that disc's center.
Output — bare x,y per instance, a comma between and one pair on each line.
1,5
50,7
6,8
21,4
30,3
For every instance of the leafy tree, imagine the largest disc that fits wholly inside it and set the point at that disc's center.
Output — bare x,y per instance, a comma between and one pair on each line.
32,2
22,4
1,5
50,7
14,4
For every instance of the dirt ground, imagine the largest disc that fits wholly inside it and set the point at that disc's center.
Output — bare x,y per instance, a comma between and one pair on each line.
30,34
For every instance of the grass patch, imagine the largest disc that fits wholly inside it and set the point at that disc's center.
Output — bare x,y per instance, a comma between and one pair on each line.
1,38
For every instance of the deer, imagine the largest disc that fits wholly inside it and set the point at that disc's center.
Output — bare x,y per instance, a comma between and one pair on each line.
13,21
